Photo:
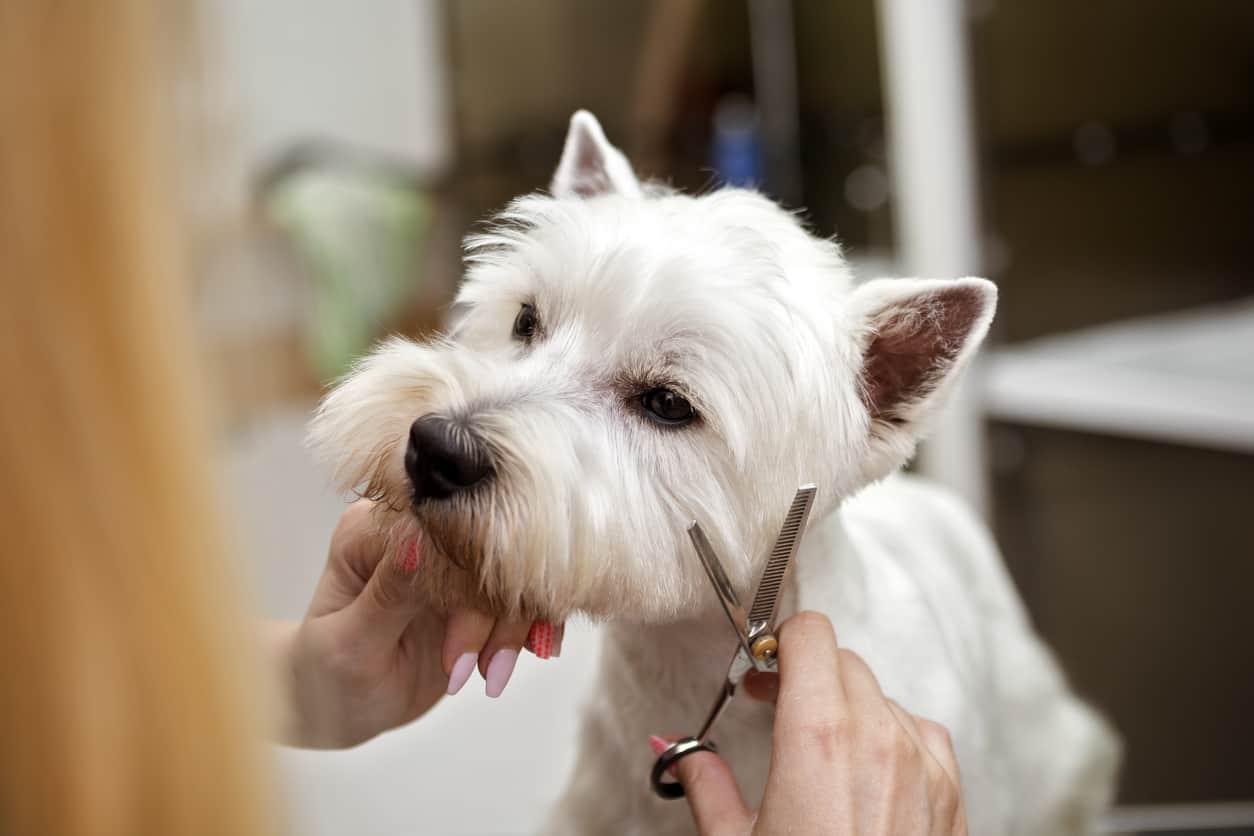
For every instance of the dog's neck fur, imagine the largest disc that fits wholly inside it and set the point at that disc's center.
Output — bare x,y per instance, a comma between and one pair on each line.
698,648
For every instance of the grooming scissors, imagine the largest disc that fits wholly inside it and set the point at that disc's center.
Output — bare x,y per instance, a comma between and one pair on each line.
755,631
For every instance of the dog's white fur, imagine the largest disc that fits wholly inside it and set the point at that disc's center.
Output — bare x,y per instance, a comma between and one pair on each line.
796,376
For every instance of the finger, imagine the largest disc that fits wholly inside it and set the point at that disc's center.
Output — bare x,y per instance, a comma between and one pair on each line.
940,746
942,795
390,600
465,634
907,721
866,698
810,688
762,685
358,542
355,550
716,803
500,654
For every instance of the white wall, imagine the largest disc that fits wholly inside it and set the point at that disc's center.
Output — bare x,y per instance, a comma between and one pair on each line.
368,74
282,73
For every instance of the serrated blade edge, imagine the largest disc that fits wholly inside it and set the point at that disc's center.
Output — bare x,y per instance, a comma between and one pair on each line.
766,599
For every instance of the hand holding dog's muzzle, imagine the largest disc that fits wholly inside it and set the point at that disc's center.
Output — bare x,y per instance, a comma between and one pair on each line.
372,654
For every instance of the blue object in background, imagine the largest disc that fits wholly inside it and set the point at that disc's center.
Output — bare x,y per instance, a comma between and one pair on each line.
737,146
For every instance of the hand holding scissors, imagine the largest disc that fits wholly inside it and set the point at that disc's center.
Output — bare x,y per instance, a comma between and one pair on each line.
826,776
755,631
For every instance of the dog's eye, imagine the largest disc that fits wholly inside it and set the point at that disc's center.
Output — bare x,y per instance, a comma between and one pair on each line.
665,406
526,322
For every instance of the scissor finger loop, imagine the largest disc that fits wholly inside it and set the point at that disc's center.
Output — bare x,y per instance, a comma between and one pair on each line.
672,755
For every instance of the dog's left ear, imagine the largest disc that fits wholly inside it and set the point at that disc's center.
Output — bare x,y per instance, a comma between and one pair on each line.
915,337
590,166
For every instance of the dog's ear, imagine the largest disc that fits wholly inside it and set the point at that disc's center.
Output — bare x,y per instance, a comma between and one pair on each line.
915,336
590,166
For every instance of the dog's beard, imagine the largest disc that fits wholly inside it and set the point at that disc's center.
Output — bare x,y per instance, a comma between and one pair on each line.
511,545
461,536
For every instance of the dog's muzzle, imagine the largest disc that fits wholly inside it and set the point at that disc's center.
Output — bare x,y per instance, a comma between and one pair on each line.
444,457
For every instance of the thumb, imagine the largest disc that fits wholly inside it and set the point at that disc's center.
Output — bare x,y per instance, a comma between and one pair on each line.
389,601
717,805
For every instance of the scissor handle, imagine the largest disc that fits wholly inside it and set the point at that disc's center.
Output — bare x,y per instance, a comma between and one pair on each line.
672,755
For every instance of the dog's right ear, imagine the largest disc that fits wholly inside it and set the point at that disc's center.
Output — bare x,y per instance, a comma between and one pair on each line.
590,166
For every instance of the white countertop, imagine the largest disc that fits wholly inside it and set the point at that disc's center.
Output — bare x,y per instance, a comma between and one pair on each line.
1185,377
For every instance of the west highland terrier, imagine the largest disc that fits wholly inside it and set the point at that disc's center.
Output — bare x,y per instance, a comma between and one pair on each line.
623,359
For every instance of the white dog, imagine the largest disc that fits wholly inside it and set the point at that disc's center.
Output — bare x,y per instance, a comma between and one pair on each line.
624,359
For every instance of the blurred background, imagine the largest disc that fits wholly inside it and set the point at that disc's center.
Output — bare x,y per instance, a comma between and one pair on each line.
1096,159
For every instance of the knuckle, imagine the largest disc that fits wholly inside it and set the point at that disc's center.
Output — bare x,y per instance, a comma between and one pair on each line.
382,594
891,748
935,730
937,781
903,750
828,737
851,660
354,517
937,739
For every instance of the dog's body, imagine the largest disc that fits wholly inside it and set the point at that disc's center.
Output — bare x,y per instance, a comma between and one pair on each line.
912,583
624,359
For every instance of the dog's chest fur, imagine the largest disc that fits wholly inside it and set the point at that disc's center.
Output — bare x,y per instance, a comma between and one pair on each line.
913,584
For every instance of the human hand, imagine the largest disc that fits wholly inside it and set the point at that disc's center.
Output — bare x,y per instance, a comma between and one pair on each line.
845,759
369,656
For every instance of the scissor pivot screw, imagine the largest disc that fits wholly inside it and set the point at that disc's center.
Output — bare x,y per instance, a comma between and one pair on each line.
764,647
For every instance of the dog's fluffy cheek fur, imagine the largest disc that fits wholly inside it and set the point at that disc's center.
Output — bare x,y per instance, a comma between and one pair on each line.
361,427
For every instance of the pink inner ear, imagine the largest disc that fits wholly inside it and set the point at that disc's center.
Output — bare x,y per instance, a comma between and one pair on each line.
591,179
916,342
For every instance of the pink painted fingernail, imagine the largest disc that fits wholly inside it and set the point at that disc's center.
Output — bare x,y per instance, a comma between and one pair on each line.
499,671
409,563
461,671
658,744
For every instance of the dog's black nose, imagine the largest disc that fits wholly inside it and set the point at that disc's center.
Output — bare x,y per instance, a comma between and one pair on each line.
444,457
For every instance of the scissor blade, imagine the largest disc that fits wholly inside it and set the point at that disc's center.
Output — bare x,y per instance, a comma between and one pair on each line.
766,600
722,586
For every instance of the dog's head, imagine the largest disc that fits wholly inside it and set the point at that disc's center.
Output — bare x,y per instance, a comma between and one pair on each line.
623,359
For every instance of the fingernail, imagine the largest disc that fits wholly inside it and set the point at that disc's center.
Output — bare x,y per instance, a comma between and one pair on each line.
557,642
762,686
499,671
409,563
658,744
461,671
541,639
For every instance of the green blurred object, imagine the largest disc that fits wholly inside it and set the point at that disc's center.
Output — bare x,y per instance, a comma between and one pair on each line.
362,236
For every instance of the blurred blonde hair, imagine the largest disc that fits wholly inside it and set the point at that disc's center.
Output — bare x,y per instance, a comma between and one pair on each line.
127,703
